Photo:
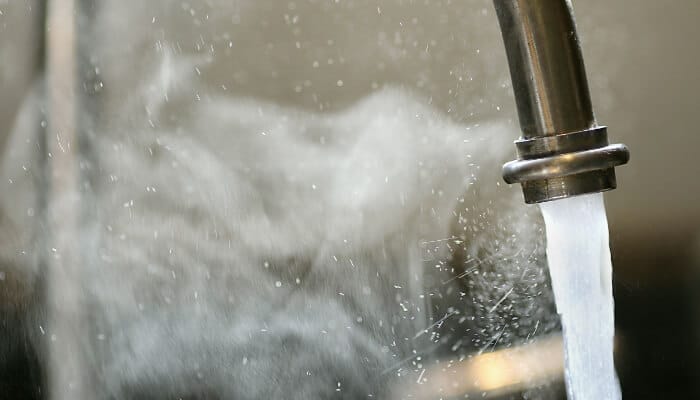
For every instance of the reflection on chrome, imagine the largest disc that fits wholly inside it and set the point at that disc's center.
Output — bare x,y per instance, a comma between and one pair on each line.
500,372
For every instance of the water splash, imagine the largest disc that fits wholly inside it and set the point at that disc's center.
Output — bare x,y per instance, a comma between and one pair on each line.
581,271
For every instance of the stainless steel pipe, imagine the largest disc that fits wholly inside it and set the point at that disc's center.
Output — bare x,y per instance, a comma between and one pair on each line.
562,151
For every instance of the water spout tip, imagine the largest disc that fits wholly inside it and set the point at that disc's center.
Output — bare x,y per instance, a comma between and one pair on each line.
560,166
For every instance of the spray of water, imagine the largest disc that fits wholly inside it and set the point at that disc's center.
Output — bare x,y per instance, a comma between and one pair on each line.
234,247
581,272
255,243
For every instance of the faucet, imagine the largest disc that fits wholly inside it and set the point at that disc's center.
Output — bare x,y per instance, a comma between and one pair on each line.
563,152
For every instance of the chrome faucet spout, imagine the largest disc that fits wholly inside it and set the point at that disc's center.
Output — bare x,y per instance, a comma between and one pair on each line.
562,152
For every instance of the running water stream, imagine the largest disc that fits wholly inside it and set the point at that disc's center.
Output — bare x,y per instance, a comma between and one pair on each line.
581,272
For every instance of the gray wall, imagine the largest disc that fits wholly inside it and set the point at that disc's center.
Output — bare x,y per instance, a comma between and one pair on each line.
20,37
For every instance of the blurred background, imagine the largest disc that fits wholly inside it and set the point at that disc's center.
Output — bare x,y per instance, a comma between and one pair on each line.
324,55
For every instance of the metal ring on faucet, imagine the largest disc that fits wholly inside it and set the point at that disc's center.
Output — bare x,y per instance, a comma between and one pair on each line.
566,164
